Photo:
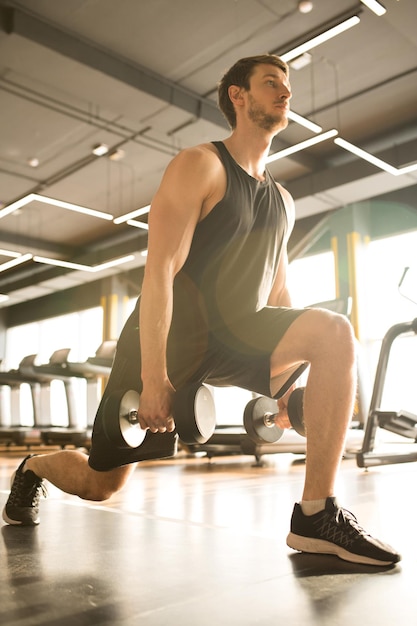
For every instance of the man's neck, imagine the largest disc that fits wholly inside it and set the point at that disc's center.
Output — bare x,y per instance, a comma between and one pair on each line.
250,151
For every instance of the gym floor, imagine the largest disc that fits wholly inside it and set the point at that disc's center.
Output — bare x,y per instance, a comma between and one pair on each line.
196,542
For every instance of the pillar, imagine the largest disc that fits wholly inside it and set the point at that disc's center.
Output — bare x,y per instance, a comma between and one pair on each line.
114,302
350,229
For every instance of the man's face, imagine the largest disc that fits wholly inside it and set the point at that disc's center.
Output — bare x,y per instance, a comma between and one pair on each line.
268,98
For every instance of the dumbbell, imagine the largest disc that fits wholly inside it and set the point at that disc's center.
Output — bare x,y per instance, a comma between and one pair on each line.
193,411
260,413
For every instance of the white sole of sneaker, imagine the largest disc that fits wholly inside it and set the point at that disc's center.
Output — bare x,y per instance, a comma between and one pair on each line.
12,522
319,546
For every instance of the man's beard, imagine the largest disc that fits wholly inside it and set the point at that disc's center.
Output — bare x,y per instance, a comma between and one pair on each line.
266,121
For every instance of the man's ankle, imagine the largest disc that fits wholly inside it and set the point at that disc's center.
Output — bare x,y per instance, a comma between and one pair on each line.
311,507
28,465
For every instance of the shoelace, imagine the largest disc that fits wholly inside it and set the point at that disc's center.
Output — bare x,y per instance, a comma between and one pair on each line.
345,517
340,527
26,494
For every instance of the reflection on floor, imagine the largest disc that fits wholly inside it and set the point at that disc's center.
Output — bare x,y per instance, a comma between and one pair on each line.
193,542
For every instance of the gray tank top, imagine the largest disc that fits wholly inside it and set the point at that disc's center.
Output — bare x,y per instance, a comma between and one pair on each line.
235,251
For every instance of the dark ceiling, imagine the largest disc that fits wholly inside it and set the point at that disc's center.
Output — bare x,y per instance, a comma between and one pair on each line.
140,76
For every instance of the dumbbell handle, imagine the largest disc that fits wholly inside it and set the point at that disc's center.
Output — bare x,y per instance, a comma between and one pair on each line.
259,417
193,410
295,413
132,417
269,419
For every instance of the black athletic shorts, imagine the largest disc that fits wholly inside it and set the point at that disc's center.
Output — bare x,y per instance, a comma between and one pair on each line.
238,356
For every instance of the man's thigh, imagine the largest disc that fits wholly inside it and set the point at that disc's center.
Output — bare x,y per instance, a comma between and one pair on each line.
245,351
316,332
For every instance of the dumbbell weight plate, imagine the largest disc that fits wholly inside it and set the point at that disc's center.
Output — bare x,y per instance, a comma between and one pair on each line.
295,410
117,426
194,414
254,420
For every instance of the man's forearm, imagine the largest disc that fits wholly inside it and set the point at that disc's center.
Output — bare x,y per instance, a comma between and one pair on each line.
154,325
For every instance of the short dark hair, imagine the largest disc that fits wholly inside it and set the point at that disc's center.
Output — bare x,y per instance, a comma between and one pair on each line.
239,74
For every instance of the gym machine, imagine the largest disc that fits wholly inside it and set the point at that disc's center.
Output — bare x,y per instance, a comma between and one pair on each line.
403,423
101,363
44,375
94,369
76,432
39,378
12,430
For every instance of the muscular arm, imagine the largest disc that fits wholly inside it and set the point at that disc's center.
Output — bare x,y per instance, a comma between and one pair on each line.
280,295
180,202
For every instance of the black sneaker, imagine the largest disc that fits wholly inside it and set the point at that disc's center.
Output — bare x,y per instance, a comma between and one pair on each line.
336,531
22,506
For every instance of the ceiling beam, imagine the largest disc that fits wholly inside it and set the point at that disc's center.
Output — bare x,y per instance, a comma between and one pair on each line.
14,21
34,243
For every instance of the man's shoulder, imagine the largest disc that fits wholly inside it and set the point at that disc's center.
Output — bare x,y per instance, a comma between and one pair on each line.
202,150
199,157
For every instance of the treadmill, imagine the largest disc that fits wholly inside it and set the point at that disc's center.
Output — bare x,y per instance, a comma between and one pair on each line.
12,430
76,433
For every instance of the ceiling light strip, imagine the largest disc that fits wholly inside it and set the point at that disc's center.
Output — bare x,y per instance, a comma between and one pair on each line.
20,259
11,208
80,266
299,119
407,169
302,145
319,39
132,214
138,224
34,197
375,6
59,263
114,263
366,156
9,253
72,207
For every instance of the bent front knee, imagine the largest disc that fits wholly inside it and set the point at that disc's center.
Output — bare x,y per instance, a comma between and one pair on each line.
333,334
343,328
341,336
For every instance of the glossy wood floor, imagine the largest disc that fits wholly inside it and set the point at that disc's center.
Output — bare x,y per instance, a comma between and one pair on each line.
192,542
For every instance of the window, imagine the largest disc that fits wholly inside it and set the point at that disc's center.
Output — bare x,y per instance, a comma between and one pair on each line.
385,306
312,279
81,332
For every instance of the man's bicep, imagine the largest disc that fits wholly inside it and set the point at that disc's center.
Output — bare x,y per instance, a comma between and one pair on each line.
174,214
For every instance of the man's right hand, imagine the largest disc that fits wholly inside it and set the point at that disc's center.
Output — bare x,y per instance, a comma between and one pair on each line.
155,410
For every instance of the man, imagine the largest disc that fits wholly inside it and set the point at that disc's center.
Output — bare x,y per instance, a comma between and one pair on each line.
215,306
